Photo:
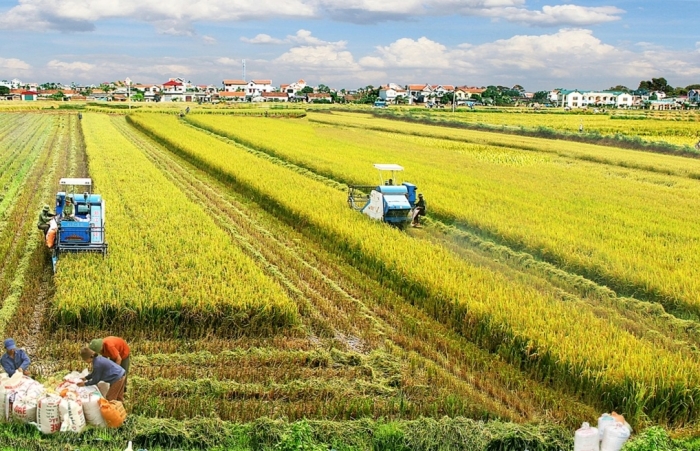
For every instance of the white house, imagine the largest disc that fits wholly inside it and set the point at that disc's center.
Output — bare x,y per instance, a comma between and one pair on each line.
418,93
441,90
390,92
583,99
234,85
173,90
293,88
255,88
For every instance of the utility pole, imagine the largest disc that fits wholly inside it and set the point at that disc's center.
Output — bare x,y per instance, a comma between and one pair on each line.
244,70
454,98
128,90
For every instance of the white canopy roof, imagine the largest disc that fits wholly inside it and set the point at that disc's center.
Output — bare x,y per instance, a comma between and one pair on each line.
80,182
388,167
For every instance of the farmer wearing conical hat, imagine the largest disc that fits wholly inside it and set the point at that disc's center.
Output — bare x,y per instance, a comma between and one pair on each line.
115,349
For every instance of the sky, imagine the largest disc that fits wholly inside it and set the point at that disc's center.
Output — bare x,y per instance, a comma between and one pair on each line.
538,44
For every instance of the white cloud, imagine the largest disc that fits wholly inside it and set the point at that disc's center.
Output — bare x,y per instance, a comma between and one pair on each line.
177,16
12,65
76,65
172,17
407,53
228,61
301,37
263,39
569,57
209,40
556,15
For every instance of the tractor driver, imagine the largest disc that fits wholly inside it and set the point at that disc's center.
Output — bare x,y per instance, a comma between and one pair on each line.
418,210
69,210
44,219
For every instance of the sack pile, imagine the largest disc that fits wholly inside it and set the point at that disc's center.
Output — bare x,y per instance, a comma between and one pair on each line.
67,408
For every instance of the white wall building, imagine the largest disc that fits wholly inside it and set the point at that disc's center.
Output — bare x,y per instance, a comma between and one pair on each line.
256,87
234,85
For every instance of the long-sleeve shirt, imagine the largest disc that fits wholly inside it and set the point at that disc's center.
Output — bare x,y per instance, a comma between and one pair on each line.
105,370
44,218
115,348
421,204
68,210
11,365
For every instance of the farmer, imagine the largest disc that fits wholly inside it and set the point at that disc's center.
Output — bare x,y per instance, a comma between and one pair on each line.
14,359
44,219
115,349
104,370
69,210
418,210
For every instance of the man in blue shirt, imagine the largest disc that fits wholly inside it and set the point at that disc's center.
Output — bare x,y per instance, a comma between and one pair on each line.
104,370
14,359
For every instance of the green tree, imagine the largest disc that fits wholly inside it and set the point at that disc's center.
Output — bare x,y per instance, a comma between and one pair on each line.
307,90
619,88
541,96
656,84
323,88
4,90
58,96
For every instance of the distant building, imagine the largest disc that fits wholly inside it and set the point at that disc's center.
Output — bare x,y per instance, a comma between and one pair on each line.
235,85
30,96
275,96
255,88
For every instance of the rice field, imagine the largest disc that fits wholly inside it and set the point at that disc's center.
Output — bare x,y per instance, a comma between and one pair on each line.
264,312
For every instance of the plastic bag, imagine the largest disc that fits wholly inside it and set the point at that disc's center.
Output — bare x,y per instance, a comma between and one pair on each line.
113,413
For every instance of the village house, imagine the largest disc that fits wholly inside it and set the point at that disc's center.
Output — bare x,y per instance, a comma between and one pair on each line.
293,89
464,93
275,97
235,85
229,96
583,99
175,90
255,88
418,93
391,92
30,96
318,97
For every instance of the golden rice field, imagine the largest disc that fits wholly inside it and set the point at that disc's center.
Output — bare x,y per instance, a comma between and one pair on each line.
677,129
531,328
630,229
203,280
265,314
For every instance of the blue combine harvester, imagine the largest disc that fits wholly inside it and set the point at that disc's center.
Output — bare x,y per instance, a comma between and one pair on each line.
85,230
388,202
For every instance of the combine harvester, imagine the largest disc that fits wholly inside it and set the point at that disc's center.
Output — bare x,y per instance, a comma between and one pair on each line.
387,202
85,232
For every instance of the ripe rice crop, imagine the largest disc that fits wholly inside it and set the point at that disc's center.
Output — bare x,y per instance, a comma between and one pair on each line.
564,343
632,230
685,132
168,264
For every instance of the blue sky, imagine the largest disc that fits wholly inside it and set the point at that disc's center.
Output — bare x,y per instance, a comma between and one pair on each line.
539,44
